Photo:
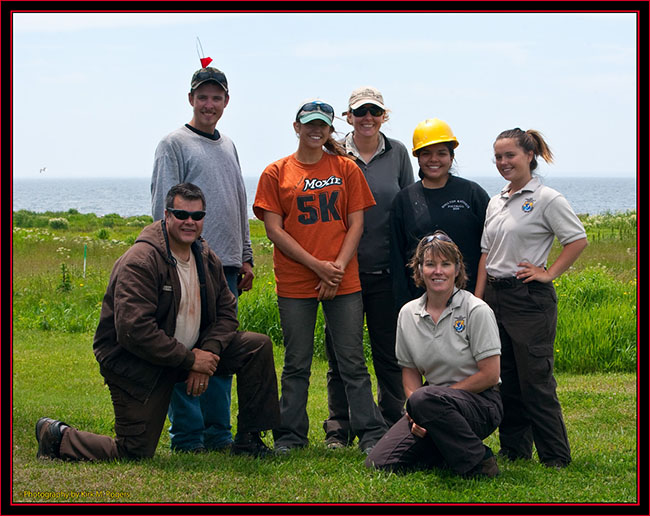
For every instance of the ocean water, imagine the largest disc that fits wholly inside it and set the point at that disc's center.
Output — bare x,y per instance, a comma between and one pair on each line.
132,196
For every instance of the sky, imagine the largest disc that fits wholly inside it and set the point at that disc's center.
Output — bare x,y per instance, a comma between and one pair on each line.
94,93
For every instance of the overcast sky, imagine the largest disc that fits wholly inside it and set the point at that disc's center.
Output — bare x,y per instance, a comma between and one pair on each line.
93,94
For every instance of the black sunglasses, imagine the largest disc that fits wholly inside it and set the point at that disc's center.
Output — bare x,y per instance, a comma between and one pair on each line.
374,111
184,214
318,106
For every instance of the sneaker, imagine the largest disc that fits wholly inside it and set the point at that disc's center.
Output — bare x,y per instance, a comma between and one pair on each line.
49,433
335,445
486,468
281,450
250,443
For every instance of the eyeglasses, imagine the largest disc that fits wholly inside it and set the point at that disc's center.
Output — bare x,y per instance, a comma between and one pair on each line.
184,214
437,236
374,111
318,106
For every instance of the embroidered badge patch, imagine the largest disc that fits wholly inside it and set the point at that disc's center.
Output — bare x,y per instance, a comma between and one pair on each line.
459,324
528,205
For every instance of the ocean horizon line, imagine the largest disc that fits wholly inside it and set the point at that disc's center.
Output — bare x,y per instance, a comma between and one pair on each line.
103,195
467,175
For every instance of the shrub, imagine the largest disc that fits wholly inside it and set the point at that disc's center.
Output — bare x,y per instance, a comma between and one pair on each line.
28,219
59,223
102,234
111,219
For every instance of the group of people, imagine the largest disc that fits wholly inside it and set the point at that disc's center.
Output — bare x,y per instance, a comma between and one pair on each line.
454,288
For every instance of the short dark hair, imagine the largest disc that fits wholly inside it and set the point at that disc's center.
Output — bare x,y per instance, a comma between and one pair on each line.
442,247
450,145
187,191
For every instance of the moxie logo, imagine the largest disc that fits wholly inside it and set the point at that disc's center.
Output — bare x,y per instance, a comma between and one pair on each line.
318,184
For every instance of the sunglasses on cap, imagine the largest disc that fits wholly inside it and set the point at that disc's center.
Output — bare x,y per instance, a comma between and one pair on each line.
209,74
184,214
317,106
374,111
437,236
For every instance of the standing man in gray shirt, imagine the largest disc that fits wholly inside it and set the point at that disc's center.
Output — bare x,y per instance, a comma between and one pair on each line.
198,153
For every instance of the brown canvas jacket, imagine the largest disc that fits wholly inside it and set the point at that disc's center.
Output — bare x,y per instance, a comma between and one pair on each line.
134,342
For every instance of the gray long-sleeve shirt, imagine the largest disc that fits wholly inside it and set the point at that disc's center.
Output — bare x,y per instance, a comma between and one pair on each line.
184,156
388,172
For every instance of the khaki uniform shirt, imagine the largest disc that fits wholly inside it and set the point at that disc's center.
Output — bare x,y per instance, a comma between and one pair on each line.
447,352
522,226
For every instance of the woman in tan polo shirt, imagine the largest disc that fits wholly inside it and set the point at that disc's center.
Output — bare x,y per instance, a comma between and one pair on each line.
520,225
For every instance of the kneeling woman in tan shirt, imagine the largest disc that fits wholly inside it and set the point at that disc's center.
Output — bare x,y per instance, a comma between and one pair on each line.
449,337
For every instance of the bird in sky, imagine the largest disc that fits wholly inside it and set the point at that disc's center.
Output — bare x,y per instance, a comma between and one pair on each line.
43,169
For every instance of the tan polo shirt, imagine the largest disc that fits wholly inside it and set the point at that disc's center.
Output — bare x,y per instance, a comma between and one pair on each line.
522,226
447,352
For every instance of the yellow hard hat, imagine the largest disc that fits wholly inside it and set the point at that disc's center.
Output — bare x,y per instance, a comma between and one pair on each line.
432,130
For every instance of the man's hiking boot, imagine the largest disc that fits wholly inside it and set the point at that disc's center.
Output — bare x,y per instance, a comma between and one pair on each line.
49,433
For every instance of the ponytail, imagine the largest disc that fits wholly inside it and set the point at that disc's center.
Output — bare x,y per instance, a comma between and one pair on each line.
530,140
334,147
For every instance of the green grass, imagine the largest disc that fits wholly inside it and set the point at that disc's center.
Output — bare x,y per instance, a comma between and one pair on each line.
600,413
596,322
597,297
56,309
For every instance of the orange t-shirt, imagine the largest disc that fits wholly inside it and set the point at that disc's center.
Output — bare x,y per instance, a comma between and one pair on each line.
314,201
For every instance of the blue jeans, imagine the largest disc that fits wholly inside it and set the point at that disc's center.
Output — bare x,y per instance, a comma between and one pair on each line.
203,421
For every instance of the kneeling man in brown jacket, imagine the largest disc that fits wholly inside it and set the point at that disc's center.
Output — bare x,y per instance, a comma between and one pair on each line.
168,316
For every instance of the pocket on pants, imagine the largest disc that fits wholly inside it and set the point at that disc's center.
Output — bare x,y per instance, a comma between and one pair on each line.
540,363
133,440
130,430
543,295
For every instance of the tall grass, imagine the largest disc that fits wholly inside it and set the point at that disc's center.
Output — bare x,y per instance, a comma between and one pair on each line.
597,297
597,322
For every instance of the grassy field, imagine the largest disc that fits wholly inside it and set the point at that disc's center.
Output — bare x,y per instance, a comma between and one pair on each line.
600,411
56,308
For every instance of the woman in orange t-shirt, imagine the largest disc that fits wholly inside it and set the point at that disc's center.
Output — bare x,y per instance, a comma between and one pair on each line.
312,205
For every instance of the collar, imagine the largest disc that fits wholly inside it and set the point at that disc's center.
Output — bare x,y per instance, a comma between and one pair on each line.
214,136
453,302
531,186
351,147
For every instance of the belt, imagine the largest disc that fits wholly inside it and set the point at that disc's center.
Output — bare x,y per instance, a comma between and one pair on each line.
376,273
503,282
